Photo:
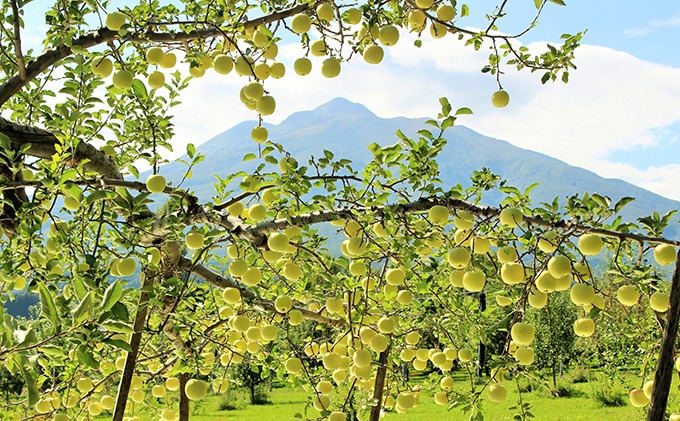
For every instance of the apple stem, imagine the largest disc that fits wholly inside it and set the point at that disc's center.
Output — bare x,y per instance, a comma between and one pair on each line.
665,365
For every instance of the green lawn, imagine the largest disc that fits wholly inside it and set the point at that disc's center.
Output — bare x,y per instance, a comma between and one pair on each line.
286,403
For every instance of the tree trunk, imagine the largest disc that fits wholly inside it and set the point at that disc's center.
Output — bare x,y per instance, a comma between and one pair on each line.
131,359
183,399
379,384
664,367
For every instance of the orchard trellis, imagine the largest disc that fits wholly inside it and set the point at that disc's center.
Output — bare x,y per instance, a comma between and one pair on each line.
403,265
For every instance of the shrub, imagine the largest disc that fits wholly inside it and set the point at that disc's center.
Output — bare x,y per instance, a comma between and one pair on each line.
606,393
234,399
579,375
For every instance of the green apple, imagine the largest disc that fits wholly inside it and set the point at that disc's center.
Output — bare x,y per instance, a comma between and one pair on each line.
664,254
405,400
302,66
252,276
628,295
389,35
647,389
291,271
659,301
378,343
503,301
512,273
590,244
266,105
584,327
278,70
253,91
404,297
154,55
445,12
458,257
283,303
278,242
318,48
638,398
506,254
464,220
115,20
456,278
71,203
238,267
559,266
353,16
156,80
480,245
155,183
582,294
231,295
500,99
223,64
583,270
325,12
122,79
102,67
357,268
538,299
257,213
395,276
524,356
172,383
416,19
497,393
511,217
195,389
546,282
330,67
373,54
300,24
547,242
84,385
522,333
438,215
158,391
362,358
259,134
169,60
474,281
126,267
386,325
194,241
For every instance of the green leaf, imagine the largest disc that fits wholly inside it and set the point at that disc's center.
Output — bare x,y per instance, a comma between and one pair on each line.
191,150
464,11
49,310
85,355
99,195
116,327
119,344
84,309
139,89
249,157
418,43
24,338
79,287
464,110
621,203
538,3
560,2
31,384
111,296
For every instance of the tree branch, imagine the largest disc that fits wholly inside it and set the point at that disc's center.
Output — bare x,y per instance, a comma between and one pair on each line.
21,64
221,282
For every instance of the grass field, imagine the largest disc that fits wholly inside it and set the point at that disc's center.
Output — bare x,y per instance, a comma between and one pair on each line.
286,403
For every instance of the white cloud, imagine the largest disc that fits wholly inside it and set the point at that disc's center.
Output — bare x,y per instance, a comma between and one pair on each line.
652,26
613,101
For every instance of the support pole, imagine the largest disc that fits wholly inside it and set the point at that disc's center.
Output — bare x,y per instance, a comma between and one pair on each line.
131,358
666,363
183,399
379,384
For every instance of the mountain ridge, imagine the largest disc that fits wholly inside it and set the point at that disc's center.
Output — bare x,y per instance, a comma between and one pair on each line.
346,128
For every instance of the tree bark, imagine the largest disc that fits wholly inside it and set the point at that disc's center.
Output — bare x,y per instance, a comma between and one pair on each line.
183,399
665,365
131,359
379,384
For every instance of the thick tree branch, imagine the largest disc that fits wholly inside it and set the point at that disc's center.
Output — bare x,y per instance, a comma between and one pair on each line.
104,35
21,64
221,282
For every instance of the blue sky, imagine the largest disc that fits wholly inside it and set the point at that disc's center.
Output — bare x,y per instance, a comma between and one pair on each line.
619,116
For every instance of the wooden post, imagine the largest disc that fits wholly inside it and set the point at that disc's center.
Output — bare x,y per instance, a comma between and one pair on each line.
379,384
666,363
183,399
131,359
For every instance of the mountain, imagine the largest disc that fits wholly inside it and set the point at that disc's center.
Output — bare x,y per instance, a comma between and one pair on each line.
346,128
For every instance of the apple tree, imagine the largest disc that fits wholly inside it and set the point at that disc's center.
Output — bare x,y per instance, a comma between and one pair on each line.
239,277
